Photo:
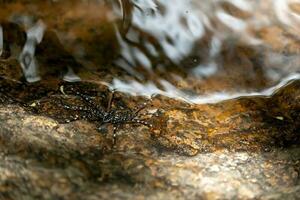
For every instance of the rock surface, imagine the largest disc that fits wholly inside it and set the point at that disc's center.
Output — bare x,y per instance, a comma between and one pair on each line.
242,148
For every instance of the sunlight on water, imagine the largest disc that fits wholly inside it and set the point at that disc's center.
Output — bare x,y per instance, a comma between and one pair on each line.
27,57
200,51
179,26
149,89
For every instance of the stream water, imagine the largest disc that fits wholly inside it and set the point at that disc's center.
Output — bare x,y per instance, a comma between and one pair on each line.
201,52
248,43
223,121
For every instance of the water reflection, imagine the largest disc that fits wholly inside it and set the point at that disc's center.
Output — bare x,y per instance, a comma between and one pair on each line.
209,40
194,50
27,57
148,89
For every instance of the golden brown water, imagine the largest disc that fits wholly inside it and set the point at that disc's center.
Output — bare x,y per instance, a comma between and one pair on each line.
222,121
201,53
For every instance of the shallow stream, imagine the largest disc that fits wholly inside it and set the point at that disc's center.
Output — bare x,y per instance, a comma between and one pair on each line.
149,99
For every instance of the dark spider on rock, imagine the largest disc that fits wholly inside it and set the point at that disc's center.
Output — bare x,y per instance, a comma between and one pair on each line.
95,113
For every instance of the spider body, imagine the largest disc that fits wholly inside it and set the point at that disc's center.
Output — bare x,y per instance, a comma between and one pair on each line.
95,113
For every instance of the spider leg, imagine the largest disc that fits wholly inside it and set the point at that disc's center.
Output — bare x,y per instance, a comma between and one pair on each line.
144,105
73,107
87,99
110,100
115,129
139,121
72,119
140,109
76,108
101,128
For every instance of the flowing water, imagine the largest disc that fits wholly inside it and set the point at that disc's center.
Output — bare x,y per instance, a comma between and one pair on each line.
248,43
223,120
201,52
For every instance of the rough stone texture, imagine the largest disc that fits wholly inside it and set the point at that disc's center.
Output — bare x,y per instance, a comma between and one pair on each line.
252,124
239,149
245,148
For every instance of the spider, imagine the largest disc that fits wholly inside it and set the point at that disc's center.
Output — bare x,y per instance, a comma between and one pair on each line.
96,113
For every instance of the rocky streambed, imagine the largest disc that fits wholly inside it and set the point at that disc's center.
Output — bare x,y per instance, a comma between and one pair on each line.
241,148
57,138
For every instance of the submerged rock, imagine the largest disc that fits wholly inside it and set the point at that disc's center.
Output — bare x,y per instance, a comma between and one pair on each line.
51,147
240,148
257,123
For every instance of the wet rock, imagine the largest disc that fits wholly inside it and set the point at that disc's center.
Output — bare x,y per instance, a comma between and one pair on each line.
244,148
244,124
240,148
41,158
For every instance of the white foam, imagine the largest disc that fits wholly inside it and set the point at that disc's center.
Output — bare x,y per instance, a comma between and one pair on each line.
176,38
232,22
70,76
149,89
37,31
27,58
205,69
